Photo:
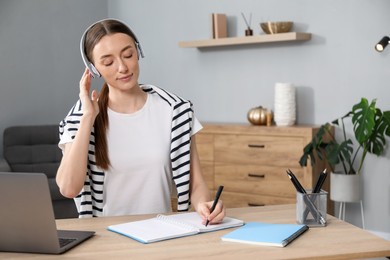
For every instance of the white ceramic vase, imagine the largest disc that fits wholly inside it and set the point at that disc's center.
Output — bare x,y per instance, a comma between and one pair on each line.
345,188
285,104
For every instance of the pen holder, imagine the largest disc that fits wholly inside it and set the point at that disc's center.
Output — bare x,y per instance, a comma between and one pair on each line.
312,208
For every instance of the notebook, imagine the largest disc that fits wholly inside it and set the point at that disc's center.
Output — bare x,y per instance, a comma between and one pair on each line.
163,227
266,234
27,218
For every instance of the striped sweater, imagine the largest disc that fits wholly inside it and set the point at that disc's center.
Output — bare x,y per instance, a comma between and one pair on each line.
90,198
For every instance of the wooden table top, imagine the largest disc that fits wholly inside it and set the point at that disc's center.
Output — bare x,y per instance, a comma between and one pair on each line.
338,240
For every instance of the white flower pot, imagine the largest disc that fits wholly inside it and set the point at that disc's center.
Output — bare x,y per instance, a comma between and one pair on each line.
345,188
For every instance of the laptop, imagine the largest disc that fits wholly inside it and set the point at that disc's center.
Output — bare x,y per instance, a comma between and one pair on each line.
27,222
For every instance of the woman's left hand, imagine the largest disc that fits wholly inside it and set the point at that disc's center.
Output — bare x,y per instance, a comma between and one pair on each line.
214,217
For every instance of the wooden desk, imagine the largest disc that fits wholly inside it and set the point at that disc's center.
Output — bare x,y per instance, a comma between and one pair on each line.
339,240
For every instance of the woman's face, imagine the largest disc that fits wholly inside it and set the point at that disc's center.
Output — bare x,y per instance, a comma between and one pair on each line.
115,57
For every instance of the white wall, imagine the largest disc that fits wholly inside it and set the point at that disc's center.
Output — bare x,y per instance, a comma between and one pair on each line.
332,71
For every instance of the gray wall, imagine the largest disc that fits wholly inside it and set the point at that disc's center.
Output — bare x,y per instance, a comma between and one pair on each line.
40,65
332,71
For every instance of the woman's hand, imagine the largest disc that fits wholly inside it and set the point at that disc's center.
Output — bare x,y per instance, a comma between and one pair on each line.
214,217
90,103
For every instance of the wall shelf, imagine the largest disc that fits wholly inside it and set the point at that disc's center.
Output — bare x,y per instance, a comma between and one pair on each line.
256,39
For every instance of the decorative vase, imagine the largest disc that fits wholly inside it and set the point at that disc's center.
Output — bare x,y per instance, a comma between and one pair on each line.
285,104
345,187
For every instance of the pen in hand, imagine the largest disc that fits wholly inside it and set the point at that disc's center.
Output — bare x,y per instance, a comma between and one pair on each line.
217,195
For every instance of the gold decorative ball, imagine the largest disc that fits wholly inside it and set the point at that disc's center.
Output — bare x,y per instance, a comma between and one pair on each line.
257,116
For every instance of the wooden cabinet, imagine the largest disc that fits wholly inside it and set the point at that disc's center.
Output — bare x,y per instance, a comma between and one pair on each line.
251,162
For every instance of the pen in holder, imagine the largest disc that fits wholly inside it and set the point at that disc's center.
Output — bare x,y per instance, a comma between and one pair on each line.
312,208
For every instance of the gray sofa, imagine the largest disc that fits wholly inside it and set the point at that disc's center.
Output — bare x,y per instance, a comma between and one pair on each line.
35,149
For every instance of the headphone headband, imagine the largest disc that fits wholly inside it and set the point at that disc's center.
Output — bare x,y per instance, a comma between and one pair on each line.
88,63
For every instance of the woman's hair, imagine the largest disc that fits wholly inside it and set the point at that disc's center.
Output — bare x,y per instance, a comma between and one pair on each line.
92,37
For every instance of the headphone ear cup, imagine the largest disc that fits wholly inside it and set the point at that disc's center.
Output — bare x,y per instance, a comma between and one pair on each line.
138,53
139,50
93,70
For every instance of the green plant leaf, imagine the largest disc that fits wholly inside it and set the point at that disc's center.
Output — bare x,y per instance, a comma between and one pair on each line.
337,121
363,120
307,152
377,141
339,152
316,146
386,119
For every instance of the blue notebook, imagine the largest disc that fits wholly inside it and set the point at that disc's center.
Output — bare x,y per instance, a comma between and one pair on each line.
267,234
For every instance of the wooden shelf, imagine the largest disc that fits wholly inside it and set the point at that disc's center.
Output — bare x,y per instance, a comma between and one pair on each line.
230,41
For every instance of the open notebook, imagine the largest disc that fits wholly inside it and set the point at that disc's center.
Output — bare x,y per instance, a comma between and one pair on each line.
163,227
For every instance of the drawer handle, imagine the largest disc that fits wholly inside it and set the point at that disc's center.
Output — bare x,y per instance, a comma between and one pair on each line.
255,205
256,145
256,175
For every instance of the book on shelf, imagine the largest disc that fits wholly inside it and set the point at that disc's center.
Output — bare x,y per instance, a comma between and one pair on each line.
266,234
218,25
163,227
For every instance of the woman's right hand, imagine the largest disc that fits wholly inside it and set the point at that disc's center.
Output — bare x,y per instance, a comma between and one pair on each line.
89,103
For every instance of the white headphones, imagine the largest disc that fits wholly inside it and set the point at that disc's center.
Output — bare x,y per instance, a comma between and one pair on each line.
88,63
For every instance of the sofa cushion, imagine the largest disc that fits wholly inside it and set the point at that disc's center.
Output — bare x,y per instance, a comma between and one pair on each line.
32,148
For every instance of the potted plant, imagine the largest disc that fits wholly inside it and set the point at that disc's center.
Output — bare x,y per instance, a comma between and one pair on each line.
370,128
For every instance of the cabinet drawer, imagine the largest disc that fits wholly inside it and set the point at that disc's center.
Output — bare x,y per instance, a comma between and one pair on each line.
239,200
263,150
205,146
254,179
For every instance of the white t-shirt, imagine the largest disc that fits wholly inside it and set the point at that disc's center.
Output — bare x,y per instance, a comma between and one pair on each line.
139,180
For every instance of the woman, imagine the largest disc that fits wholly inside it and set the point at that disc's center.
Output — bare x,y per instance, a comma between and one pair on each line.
122,147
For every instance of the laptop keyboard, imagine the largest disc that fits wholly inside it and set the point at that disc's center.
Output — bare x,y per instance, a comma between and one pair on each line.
65,241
